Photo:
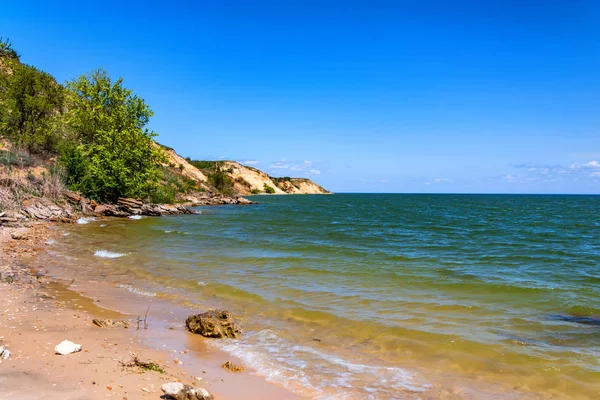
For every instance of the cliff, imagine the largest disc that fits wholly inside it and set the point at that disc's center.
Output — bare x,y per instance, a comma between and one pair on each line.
245,180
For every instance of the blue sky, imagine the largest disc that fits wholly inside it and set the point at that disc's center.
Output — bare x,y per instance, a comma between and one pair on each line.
378,96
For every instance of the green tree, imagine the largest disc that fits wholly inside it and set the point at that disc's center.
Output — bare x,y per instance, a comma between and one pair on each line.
116,156
32,103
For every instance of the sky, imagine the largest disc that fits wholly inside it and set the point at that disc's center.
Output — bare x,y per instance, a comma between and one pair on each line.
486,96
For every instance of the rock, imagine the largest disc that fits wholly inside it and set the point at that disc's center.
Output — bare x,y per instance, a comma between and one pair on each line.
67,347
72,197
42,208
179,391
232,367
109,323
20,234
214,324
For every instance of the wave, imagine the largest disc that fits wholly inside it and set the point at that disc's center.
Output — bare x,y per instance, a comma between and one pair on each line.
84,221
136,290
335,377
135,217
108,254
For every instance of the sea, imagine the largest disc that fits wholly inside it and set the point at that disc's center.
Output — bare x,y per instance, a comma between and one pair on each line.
380,296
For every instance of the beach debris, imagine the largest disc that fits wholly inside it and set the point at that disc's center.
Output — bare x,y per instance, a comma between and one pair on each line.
67,347
143,365
214,324
109,323
20,234
179,391
232,367
4,353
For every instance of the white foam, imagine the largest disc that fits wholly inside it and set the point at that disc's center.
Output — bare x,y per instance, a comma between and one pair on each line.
142,292
329,376
168,231
202,283
135,217
108,254
136,291
83,221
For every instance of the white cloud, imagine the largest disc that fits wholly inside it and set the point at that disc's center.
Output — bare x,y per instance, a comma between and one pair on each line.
509,178
443,180
315,171
250,162
308,163
383,181
592,164
279,165
296,168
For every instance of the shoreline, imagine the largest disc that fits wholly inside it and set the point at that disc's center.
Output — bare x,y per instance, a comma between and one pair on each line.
40,311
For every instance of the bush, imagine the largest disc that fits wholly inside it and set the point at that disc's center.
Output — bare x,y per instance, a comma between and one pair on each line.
268,189
221,181
255,191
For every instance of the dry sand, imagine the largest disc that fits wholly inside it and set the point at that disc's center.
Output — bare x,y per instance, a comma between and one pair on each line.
37,313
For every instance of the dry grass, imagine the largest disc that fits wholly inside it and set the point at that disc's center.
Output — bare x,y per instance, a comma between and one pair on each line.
143,365
23,176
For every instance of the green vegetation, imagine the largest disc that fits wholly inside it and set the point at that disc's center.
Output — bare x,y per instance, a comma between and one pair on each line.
107,121
279,180
136,362
6,49
93,126
268,189
221,181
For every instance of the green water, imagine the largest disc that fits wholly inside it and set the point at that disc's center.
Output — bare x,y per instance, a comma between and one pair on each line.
383,296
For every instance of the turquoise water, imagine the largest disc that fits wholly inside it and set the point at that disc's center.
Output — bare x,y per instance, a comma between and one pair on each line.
383,296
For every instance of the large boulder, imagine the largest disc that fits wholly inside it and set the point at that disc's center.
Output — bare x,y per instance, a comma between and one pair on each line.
179,391
214,324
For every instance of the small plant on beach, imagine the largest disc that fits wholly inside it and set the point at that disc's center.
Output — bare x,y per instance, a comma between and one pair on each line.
143,365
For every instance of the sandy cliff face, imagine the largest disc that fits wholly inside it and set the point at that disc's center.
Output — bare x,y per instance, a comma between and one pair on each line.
187,169
301,186
245,179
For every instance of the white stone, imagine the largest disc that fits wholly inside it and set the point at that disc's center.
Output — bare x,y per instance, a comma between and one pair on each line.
201,393
5,354
67,347
172,388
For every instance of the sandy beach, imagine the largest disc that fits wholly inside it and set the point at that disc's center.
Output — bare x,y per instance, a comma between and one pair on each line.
38,312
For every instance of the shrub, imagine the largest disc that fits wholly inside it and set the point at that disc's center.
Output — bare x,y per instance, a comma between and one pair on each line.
268,189
221,181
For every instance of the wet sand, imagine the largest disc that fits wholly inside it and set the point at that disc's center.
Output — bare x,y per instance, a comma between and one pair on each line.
37,314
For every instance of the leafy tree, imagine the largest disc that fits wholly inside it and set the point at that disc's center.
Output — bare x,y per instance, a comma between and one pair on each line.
118,153
32,103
